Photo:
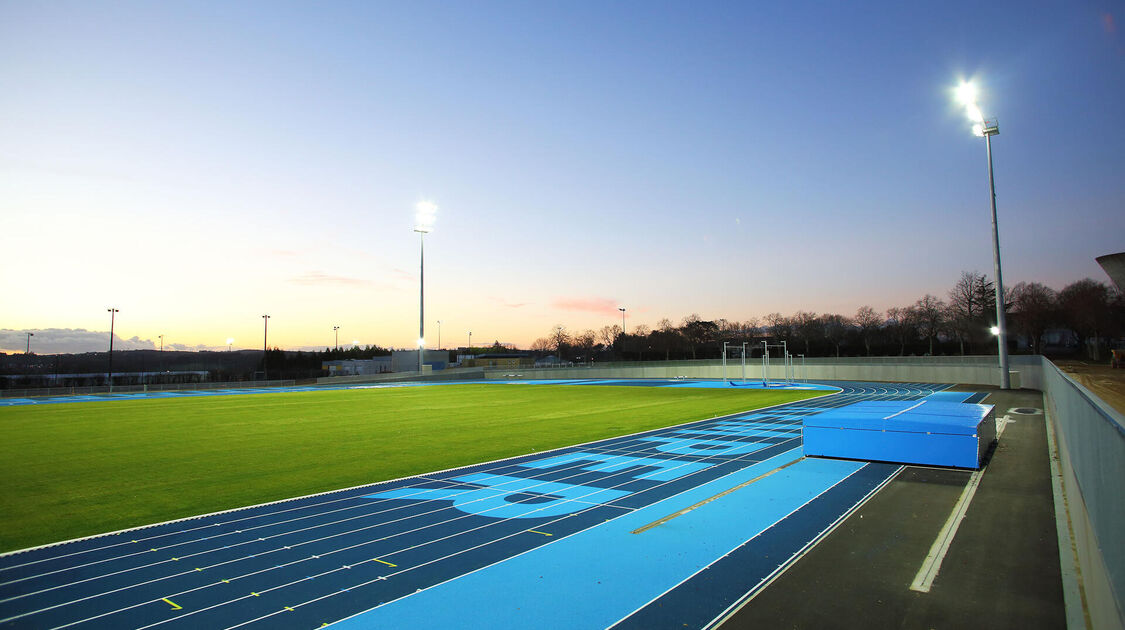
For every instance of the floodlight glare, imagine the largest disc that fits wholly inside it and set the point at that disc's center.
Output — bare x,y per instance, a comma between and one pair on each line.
967,93
421,342
978,130
424,215
994,330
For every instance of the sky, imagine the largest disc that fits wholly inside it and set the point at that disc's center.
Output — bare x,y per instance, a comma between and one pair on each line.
199,164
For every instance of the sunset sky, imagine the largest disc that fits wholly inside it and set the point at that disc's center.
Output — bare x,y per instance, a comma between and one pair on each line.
199,164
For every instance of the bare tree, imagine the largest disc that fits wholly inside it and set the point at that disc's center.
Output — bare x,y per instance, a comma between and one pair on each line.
867,321
1085,306
586,340
559,337
1035,309
900,323
805,327
930,312
835,329
608,334
542,344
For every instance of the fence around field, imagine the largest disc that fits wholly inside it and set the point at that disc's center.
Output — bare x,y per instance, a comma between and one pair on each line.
127,389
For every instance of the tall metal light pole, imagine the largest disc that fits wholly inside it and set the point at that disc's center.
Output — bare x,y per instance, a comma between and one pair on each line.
161,342
29,336
424,214
967,93
470,341
112,316
622,309
265,346
336,329
439,334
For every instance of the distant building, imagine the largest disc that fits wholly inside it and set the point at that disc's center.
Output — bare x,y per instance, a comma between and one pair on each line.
357,367
407,360
499,360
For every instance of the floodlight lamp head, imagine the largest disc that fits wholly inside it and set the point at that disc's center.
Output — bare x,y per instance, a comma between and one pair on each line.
978,130
425,212
995,330
230,340
421,342
967,93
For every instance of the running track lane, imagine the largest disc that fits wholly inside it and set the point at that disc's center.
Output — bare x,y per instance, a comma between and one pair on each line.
319,559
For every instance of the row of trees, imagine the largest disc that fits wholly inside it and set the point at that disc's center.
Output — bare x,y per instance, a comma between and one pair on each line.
1085,314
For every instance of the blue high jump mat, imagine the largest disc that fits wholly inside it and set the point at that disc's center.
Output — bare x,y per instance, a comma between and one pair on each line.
927,432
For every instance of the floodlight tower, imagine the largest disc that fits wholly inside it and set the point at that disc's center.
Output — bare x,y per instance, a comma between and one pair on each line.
112,315
622,309
265,346
336,329
424,214
986,128
29,336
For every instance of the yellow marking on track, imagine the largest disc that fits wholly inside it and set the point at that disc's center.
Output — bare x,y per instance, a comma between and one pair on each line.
171,603
198,569
385,562
538,532
253,593
226,581
289,609
176,559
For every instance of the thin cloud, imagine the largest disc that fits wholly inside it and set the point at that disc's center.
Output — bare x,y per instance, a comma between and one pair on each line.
317,278
507,304
68,340
601,306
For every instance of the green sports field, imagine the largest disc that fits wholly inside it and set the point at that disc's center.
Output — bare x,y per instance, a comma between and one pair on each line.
77,469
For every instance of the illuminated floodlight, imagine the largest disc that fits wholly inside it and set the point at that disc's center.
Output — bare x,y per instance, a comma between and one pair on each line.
967,93
230,340
995,330
425,212
978,130
421,342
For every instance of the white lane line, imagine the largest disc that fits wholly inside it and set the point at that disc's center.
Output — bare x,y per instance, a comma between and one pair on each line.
924,580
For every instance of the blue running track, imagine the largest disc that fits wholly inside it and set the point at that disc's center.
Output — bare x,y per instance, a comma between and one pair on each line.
663,529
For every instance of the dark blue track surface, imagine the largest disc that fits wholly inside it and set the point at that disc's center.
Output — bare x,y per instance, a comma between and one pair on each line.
314,560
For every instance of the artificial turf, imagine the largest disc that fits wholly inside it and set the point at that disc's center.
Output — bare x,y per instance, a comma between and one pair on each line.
78,469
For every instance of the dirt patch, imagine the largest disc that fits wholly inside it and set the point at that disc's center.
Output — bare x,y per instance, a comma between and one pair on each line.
1105,382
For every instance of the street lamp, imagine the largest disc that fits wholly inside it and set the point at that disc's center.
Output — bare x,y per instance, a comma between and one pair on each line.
112,315
470,341
161,342
967,95
29,336
622,309
265,346
336,329
424,214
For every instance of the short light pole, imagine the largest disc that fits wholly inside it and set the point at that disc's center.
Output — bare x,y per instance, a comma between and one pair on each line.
29,336
424,214
982,127
622,309
265,346
336,329
112,316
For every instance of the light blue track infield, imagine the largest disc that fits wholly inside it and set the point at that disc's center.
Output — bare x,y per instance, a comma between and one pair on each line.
524,592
